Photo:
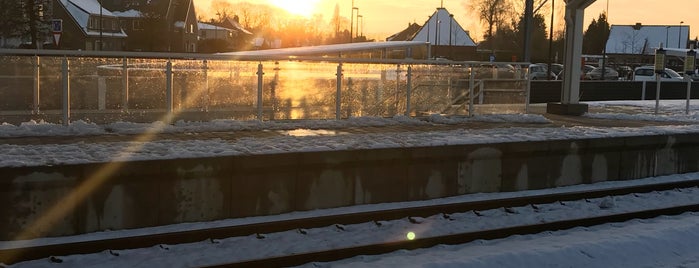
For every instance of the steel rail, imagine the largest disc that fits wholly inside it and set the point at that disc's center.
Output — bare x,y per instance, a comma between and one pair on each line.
31,252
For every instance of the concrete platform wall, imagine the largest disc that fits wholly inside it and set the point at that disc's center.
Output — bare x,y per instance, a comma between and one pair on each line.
74,199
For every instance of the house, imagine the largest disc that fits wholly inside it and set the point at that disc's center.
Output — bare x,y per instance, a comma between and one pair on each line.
446,36
88,26
636,44
157,25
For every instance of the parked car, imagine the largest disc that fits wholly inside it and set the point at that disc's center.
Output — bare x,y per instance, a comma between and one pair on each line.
538,72
647,73
586,69
497,70
596,74
557,70
625,72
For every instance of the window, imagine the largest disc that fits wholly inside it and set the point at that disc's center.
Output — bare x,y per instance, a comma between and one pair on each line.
94,22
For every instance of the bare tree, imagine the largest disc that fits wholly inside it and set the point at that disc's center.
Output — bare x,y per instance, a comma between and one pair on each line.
336,20
492,13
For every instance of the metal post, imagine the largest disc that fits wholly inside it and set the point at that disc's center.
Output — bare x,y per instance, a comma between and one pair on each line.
125,84
207,97
37,84
397,88
65,81
657,93
168,87
338,95
471,85
260,80
643,93
689,92
527,94
409,82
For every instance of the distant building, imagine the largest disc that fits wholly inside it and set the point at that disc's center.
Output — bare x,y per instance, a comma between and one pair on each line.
87,26
636,44
446,36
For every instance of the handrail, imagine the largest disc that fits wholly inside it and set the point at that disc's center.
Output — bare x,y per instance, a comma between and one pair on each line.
219,56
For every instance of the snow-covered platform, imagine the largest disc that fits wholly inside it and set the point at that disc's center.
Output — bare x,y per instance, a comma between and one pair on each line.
65,180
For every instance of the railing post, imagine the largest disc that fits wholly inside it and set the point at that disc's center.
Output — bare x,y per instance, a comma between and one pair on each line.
260,76
471,85
65,81
657,93
397,89
168,87
338,94
409,82
481,93
37,85
125,84
689,93
207,97
101,93
527,97
643,92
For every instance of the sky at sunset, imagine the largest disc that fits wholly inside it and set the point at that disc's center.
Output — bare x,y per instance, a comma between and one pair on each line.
383,18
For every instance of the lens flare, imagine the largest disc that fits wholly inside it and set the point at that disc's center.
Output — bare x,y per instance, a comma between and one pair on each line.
410,235
298,7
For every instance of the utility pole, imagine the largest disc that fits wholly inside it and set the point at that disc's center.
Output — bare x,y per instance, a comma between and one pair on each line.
100,46
528,17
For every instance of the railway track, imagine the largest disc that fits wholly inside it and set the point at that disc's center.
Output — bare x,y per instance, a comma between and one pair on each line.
448,212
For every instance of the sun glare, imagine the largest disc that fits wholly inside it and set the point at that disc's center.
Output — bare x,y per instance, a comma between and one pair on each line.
297,7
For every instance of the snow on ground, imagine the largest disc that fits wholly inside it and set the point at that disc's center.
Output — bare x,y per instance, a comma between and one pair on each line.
662,242
296,138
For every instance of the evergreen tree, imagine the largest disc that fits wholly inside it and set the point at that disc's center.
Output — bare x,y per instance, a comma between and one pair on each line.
595,37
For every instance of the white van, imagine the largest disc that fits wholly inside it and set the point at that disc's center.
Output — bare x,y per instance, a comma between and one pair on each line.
647,73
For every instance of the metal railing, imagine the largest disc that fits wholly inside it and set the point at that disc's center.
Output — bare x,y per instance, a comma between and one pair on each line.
126,86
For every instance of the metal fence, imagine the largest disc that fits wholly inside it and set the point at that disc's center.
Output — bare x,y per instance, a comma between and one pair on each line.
61,86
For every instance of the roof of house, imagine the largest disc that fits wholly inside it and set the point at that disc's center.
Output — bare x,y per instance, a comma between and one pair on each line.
81,10
235,25
440,29
407,34
644,39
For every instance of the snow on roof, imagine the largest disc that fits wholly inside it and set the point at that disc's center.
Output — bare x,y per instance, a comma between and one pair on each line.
131,13
237,26
81,10
437,31
644,39
206,26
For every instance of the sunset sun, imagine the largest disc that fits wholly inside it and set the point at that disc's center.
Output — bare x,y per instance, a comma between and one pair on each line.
297,7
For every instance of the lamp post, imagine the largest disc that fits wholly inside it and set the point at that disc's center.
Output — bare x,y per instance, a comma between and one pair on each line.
666,34
360,25
100,41
679,36
352,21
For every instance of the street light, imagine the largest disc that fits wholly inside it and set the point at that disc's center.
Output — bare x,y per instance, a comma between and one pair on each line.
352,21
679,35
100,46
360,25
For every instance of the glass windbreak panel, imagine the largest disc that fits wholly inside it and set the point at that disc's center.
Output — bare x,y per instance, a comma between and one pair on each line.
50,85
147,83
439,89
92,83
231,89
302,90
361,85
500,97
17,75
375,90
